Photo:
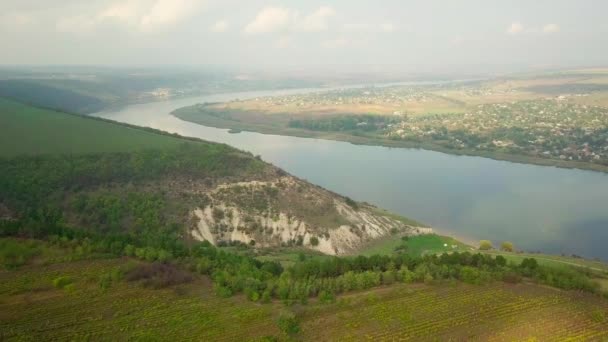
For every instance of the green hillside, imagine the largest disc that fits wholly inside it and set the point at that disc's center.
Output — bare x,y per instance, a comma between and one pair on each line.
32,130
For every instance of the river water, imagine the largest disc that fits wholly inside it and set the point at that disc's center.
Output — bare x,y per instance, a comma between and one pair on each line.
538,208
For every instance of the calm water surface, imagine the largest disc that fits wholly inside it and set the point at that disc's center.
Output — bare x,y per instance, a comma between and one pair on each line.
538,208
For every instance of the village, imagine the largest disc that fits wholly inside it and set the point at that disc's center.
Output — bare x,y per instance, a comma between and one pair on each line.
391,99
470,117
549,128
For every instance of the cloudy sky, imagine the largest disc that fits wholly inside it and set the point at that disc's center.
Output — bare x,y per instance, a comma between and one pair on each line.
410,35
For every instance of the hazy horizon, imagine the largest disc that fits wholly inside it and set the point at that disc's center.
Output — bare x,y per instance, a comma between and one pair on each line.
342,36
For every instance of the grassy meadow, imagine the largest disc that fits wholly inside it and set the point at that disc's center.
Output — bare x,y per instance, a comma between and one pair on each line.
416,245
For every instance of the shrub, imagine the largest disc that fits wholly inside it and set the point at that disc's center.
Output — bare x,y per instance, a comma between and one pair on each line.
61,282
469,275
222,291
164,256
15,253
288,323
314,241
218,214
129,250
326,297
351,203
105,281
507,246
598,316
529,263
158,275
203,266
266,296
485,245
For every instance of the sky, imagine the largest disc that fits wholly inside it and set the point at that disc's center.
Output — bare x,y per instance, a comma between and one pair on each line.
340,34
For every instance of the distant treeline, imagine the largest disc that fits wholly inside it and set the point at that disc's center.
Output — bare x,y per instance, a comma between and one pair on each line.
363,123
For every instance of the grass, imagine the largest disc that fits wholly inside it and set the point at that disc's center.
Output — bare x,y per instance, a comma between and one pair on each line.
31,130
416,245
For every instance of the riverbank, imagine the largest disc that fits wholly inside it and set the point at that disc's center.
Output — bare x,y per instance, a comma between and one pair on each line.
198,117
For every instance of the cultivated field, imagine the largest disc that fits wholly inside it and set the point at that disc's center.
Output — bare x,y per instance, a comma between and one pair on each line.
459,313
31,308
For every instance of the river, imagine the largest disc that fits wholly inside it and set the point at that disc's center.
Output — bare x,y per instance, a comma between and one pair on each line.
538,208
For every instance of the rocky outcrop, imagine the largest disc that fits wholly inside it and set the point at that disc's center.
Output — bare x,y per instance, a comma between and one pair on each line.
351,227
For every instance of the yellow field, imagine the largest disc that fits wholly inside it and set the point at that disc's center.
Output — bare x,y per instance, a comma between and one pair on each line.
455,99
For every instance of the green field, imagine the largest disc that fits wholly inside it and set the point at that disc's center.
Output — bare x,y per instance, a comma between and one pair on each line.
416,245
31,130
553,260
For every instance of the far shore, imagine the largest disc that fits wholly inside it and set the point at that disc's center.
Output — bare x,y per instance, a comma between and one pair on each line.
236,127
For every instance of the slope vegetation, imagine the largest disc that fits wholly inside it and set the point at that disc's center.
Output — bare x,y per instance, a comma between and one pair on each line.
116,179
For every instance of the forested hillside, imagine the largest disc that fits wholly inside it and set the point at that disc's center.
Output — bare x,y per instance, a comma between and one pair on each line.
145,185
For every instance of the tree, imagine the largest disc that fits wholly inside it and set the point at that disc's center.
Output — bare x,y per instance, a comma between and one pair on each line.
485,245
529,263
507,246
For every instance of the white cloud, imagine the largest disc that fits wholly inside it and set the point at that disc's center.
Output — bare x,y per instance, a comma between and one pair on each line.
284,42
551,28
167,12
219,26
141,15
388,27
317,21
515,28
336,43
78,24
270,19
127,11
458,40
281,19
16,20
